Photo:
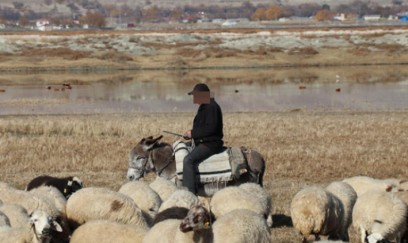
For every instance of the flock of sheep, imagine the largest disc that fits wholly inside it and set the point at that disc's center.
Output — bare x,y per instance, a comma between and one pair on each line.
61,210
374,209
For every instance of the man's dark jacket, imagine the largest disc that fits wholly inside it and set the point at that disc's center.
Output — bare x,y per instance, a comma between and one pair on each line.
208,125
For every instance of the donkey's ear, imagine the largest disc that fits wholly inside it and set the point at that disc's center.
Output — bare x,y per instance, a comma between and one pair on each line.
149,144
142,141
158,138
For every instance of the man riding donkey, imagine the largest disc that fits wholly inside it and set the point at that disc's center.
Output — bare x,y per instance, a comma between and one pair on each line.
206,134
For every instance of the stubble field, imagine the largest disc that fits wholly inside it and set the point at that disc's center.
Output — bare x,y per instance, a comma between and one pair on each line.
301,148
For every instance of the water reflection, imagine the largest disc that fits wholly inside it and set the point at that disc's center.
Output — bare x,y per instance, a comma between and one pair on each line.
140,92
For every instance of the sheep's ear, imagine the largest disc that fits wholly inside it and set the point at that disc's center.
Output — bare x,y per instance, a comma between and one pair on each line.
56,226
30,220
77,180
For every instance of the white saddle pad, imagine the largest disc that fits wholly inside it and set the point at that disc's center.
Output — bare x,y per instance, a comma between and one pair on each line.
214,169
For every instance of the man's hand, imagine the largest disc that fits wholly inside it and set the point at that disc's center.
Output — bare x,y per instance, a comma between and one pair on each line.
187,135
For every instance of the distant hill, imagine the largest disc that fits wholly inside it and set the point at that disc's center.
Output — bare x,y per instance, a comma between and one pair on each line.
173,3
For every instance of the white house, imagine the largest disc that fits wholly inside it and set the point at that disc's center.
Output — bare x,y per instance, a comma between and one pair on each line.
42,24
340,17
229,22
372,17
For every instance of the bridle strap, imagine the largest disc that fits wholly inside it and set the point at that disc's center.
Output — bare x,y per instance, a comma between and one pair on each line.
168,162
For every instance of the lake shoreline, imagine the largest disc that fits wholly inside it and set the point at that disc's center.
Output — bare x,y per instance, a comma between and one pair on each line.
202,50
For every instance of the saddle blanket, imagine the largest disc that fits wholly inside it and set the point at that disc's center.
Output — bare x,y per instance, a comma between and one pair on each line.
221,167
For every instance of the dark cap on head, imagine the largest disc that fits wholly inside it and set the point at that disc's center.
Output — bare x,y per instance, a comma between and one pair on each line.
200,87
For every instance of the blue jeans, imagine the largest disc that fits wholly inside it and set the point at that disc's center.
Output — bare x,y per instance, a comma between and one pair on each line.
190,166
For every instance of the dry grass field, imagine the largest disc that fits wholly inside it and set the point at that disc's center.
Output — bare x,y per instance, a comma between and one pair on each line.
301,148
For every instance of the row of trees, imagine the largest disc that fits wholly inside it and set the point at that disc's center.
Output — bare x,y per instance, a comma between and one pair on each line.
98,14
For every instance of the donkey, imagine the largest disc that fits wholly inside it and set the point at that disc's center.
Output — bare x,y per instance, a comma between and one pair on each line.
151,155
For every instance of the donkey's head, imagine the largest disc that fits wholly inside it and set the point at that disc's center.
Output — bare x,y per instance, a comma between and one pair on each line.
139,158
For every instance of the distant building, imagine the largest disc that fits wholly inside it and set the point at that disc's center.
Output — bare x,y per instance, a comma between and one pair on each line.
229,22
42,24
372,17
340,17
403,16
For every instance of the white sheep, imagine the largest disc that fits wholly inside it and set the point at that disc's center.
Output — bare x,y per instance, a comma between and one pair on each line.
241,226
263,197
17,214
93,203
180,198
403,195
53,195
379,216
163,187
29,201
163,232
144,196
403,185
317,212
347,196
362,184
193,228
233,197
238,226
37,230
106,231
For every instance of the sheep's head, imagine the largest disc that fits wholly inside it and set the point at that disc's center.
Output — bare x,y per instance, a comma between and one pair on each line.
197,218
42,224
72,186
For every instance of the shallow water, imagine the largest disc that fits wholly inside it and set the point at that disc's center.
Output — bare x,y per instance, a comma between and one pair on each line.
235,95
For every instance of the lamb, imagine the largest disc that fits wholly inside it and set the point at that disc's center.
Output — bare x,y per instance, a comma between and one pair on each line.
317,212
239,225
362,184
347,196
379,216
37,229
180,198
144,197
67,185
106,231
163,187
100,203
231,198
